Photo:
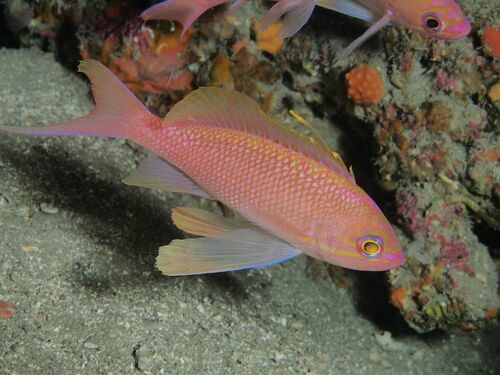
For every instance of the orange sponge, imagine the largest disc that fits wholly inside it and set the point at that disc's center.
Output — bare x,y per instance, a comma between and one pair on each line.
365,85
491,40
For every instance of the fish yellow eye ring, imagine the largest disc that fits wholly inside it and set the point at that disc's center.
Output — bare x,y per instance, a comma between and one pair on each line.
432,22
370,246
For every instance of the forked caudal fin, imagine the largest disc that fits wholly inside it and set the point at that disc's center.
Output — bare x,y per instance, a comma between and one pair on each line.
295,14
183,11
115,110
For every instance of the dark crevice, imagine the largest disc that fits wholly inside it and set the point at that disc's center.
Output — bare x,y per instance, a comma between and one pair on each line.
371,295
488,237
475,98
67,46
359,150
287,79
371,291
7,37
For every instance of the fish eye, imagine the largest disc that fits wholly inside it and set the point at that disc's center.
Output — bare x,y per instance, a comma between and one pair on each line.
432,22
370,246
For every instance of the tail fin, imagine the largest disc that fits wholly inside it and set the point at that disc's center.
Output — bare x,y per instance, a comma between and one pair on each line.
295,14
182,11
116,108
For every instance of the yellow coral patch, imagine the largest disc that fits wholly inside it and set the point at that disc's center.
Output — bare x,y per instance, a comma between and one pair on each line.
269,40
494,92
221,70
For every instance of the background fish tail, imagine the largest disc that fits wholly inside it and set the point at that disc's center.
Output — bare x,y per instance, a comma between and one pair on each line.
182,11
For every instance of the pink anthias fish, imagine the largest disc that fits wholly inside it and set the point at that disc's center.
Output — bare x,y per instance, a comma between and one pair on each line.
441,19
294,194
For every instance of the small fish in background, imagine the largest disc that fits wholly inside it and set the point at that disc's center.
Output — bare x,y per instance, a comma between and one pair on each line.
440,19
295,195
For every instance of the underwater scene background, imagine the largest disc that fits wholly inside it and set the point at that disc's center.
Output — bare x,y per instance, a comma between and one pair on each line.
416,117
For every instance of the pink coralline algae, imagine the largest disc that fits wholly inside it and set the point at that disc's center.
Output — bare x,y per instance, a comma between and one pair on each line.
476,128
444,264
447,83
454,254
436,225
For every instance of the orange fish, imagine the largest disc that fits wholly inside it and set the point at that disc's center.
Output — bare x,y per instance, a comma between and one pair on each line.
294,195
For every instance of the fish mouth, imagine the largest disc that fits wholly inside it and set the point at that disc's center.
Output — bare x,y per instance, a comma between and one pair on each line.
458,31
396,259
386,262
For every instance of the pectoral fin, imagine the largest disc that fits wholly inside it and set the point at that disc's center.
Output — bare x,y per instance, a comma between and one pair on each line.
373,29
156,173
234,250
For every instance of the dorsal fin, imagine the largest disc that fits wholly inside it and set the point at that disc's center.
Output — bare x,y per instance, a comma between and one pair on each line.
223,108
324,146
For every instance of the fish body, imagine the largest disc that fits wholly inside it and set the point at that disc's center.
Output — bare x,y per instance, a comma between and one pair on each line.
293,195
289,194
441,19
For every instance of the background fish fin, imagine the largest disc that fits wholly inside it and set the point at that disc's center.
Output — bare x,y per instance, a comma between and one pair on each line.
230,251
203,223
156,173
237,5
228,109
295,14
115,110
348,7
373,29
183,11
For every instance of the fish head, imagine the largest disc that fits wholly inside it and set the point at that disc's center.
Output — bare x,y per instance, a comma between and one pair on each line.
357,235
440,19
